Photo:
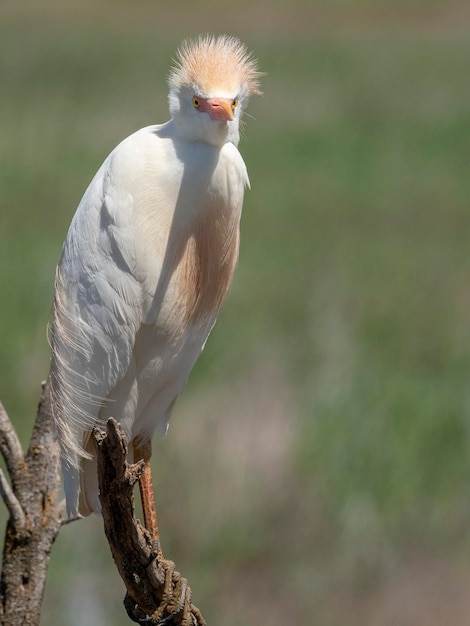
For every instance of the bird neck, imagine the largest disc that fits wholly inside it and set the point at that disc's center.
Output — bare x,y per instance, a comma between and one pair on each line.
206,131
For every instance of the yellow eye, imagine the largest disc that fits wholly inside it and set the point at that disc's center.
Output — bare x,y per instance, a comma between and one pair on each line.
196,102
234,104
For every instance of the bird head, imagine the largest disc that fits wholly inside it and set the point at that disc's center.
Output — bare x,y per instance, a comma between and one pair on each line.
210,84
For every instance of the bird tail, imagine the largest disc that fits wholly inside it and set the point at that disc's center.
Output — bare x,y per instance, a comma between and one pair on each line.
88,497
71,474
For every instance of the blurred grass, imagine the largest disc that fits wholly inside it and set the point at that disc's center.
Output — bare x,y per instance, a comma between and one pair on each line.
322,445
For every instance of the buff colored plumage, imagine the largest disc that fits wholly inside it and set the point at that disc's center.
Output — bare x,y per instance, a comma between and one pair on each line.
147,262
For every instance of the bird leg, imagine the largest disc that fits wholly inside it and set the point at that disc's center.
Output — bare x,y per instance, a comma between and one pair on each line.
143,451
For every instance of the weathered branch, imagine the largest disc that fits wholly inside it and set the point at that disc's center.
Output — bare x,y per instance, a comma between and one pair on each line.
10,446
34,522
17,515
156,593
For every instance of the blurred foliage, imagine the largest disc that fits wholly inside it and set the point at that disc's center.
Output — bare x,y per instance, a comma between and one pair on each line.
323,442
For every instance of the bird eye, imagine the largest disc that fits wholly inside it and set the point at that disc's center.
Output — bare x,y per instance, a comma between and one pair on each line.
196,102
234,104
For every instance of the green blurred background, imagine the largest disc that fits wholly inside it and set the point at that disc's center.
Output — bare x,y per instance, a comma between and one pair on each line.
317,468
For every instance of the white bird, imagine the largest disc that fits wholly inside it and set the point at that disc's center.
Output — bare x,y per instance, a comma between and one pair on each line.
147,262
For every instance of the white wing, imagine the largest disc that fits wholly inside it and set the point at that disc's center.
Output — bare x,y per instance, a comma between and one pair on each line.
97,308
106,302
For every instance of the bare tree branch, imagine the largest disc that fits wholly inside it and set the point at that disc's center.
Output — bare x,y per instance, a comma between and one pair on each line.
34,521
156,593
17,515
10,445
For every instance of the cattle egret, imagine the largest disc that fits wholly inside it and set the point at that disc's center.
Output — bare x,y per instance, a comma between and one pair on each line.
146,264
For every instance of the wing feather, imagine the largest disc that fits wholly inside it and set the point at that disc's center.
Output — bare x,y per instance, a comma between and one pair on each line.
97,309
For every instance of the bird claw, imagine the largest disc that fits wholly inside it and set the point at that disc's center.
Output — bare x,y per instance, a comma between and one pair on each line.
146,619
168,618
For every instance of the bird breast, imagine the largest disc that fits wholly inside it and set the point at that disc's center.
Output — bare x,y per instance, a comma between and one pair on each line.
206,268
190,233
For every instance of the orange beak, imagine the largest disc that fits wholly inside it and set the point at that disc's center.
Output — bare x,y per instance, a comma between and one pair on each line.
219,109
